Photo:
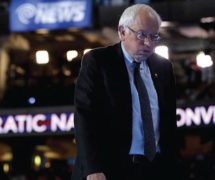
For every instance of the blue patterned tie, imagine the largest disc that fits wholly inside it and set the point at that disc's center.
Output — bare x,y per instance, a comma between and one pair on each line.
149,138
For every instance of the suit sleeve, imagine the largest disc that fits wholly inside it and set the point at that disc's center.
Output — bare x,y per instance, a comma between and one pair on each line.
87,103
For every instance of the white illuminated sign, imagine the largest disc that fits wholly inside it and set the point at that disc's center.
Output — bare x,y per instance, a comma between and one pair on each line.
30,15
199,116
38,123
49,13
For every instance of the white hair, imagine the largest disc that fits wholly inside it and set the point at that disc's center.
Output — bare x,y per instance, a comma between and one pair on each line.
128,16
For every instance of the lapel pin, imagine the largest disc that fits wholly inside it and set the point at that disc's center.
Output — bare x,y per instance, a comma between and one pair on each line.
156,75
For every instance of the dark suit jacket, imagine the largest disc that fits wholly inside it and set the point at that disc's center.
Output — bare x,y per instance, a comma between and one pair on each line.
103,117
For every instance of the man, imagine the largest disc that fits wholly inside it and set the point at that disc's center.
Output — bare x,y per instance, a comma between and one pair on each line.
119,136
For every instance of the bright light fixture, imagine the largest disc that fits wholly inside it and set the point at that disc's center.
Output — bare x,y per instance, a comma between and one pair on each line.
37,161
203,60
31,100
207,20
162,51
6,167
70,55
42,57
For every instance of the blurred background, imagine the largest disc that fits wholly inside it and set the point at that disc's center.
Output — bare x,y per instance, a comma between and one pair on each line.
41,45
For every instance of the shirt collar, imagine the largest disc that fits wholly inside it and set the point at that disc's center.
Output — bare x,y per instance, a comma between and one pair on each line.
127,57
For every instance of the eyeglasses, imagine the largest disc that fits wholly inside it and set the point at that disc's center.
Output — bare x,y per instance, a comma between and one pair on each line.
142,35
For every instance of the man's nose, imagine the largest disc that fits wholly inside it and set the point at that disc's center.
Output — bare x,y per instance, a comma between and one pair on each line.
147,41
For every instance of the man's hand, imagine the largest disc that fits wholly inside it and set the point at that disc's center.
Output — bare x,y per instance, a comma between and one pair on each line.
96,176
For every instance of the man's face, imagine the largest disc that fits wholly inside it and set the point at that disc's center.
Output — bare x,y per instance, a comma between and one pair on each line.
140,49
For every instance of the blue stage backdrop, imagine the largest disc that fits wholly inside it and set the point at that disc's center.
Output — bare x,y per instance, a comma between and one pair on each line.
30,15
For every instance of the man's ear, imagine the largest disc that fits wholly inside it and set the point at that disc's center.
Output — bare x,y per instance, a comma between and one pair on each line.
121,32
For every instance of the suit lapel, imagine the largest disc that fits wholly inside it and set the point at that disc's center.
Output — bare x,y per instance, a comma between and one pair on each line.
119,86
121,75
